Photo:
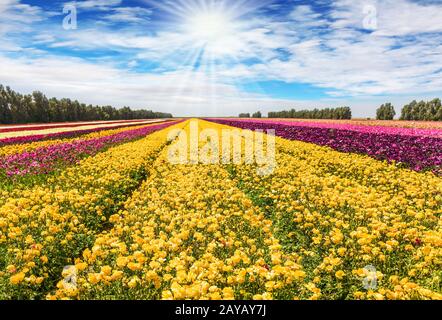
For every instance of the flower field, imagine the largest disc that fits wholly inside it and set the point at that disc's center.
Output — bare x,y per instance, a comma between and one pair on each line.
45,159
418,149
21,128
348,212
414,125
20,134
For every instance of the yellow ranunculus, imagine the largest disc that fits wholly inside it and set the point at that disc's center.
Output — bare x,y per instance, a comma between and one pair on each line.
340,274
106,270
342,251
133,282
17,278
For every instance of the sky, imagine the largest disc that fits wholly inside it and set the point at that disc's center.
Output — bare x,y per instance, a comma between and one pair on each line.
225,57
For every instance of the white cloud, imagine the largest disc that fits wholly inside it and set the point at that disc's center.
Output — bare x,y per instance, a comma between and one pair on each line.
344,59
372,65
14,10
95,4
395,17
181,92
304,16
5,4
129,15
16,16
251,39
132,64
352,62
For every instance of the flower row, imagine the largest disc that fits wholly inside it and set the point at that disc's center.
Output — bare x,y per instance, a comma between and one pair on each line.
61,134
359,122
47,159
11,149
62,125
417,152
356,126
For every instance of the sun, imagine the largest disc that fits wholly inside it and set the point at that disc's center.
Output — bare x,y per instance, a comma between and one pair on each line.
209,27
211,31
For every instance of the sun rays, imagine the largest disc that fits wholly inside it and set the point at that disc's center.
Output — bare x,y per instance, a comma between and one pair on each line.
214,36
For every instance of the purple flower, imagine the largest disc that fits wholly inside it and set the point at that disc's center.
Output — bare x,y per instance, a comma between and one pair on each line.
419,151
59,135
47,159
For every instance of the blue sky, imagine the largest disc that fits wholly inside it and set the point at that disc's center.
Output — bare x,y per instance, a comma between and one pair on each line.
223,57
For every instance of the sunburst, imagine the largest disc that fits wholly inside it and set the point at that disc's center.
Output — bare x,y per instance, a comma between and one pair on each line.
215,32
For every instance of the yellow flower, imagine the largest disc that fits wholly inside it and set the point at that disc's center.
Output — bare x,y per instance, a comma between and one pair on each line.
167,277
299,274
167,295
134,266
17,278
394,279
122,262
94,278
342,251
133,282
360,272
378,296
215,296
114,218
81,266
228,293
116,275
426,250
106,270
340,274
11,269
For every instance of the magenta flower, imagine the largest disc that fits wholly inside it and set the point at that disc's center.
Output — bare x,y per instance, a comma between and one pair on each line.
46,159
58,135
419,150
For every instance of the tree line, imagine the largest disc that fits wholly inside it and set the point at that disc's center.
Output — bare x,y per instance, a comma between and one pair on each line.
247,115
37,108
328,113
423,111
414,111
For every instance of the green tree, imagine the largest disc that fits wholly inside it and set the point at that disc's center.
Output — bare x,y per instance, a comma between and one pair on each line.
257,115
422,111
327,113
385,112
36,108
